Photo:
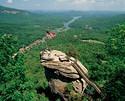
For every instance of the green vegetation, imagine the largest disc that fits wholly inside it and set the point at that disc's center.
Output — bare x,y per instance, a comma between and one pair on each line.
14,85
29,26
23,79
114,86
116,43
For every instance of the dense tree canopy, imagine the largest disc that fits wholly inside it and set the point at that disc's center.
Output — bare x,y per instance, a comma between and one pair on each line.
114,87
14,86
116,42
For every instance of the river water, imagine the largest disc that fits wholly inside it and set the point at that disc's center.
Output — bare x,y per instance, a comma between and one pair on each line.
66,25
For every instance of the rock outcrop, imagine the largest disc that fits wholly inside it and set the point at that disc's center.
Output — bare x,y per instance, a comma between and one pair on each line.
60,70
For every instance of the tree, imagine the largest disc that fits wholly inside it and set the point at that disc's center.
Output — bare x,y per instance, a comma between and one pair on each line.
115,88
8,46
14,85
116,42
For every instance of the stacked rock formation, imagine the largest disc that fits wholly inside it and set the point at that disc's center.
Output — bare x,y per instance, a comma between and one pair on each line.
60,70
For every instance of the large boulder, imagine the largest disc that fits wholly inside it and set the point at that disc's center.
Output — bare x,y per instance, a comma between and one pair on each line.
60,72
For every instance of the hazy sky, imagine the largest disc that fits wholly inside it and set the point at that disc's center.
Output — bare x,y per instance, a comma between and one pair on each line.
111,5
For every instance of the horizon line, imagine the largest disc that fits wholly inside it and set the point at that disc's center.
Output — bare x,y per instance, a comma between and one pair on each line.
67,10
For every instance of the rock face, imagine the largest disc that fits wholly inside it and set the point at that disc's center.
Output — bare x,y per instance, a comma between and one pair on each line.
59,71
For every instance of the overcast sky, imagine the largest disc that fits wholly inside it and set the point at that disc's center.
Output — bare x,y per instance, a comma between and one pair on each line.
110,5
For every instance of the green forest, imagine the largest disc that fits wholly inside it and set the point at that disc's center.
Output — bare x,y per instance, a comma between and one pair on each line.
23,79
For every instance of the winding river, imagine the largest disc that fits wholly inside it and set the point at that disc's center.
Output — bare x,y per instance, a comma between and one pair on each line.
66,25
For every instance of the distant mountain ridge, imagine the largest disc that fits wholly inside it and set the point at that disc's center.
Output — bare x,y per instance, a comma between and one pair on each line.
7,10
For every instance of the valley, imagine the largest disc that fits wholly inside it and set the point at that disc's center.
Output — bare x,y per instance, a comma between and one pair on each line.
94,38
